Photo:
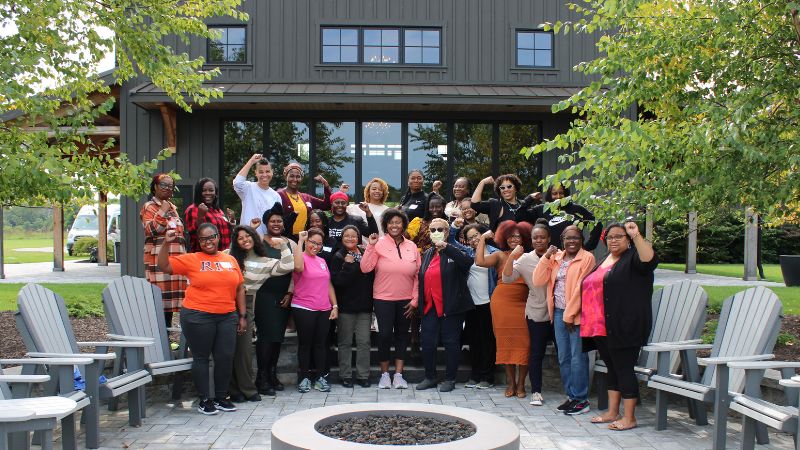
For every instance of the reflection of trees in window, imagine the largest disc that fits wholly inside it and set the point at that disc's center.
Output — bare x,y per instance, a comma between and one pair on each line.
512,139
231,46
333,156
288,141
240,141
474,153
427,151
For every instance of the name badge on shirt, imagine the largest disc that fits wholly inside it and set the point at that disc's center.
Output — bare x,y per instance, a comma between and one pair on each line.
327,249
250,265
414,206
226,265
308,204
323,265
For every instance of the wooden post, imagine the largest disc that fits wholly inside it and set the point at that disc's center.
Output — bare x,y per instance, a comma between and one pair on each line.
2,255
169,120
691,244
102,230
750,245
58,239
648,224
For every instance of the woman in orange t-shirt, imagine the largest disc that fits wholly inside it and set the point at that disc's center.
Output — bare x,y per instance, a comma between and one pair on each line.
209,313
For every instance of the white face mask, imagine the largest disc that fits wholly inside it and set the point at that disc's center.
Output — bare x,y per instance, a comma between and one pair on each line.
437,236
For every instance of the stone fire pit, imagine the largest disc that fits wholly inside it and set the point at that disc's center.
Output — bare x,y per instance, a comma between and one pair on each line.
299,430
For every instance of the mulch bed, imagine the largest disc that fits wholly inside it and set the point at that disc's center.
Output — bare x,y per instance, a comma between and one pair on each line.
11,346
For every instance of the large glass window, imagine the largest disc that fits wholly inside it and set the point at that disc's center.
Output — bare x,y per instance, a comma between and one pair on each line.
240,140
340,45
473,153
382,156
230,47
288,142
534,49
427,151
421,46
335,154
381,46
513,138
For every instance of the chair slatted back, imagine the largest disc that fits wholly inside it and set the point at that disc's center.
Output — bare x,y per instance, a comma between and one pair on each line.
43,321
749,324
133,307
679,313
5,390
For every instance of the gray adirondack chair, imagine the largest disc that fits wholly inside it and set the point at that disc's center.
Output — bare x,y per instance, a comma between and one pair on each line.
755,410
679,313
47,332
133,308
748,328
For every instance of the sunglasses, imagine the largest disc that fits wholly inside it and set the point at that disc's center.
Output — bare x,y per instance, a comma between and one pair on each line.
208,238
506,187
438,230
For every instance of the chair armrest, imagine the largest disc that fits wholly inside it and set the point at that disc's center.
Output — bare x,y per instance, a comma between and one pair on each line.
122,337
77,361
792,383
24,378
763,365
672,347
686,342
118,344
93,356
729,359
178,329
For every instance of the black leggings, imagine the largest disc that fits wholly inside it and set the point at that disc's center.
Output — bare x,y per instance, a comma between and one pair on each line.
392,328
620,362
540,334
312,338
210,335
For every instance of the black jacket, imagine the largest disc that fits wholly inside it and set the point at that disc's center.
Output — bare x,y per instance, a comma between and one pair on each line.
497,210
573,213
455,269
627,293
353,287
365,227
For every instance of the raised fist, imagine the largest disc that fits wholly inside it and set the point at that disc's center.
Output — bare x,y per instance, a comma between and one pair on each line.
550,251
631,228
255,222
321,180
303,235
372,239
487,235
488,180
170,236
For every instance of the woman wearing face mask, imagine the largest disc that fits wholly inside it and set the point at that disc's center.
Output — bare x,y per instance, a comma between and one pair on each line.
444,302
396,262
158,216
562,271
300,203
414,201
505,205
616,316
540,329
257,267
418,228
354,291
508,305
205,209
376,192
313,307
564,216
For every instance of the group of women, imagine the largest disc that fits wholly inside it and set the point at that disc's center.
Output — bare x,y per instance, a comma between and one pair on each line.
505,275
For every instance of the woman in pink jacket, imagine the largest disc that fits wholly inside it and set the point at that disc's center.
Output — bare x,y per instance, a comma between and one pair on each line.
396,263
562,271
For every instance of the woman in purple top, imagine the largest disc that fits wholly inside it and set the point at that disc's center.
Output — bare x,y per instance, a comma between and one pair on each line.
313,307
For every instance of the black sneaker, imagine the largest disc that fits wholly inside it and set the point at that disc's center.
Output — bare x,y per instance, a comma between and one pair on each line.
206,406
566,405
363,383
578,407
224,404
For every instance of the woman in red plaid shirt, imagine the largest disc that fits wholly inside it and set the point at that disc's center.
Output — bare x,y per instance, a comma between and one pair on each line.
205,209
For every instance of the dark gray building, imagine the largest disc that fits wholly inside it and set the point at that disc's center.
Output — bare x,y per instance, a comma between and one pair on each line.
356,89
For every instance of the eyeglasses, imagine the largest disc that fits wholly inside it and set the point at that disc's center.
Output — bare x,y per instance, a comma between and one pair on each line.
506,187
474,237
572,238
166,187
615,237
207,238
437,230
315,243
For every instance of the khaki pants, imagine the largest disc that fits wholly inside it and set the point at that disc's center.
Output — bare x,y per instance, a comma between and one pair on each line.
358,324
243,377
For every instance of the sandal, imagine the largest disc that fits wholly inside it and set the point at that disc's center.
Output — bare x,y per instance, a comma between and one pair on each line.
600,419
617,426
510,390
522,394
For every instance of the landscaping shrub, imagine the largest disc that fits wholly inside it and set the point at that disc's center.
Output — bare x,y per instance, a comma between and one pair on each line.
83,246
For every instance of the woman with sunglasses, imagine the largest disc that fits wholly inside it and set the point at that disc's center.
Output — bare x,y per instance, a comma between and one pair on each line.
562,271
508,304
206,209
313,307
158,216
505,205
616,316
444,302
213,313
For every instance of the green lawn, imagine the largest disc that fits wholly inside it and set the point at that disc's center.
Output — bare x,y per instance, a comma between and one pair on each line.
31,240
82,299
790,296
771,271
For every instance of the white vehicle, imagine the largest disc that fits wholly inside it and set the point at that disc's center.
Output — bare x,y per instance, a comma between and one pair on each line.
86,224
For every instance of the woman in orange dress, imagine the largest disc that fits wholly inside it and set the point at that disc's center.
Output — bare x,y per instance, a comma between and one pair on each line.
508,305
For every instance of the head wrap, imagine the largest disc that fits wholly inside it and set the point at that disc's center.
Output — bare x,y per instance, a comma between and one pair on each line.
293,166
339,196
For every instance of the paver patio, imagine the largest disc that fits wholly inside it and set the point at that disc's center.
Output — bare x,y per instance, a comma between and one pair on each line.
180,426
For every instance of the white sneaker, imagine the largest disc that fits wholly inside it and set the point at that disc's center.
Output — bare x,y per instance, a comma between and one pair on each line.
399,382
537,399
386,381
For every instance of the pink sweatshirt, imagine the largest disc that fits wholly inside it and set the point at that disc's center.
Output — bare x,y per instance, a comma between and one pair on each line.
396,268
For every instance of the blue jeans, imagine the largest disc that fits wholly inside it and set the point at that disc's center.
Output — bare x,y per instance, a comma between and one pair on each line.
573,363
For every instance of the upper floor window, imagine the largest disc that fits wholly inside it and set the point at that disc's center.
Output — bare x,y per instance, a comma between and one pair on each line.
230,47
368,45
534,49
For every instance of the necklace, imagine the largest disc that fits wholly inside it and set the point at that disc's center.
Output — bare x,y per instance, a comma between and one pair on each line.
513,209
295,197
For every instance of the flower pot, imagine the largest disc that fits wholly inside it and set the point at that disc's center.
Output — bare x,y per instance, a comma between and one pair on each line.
790,268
